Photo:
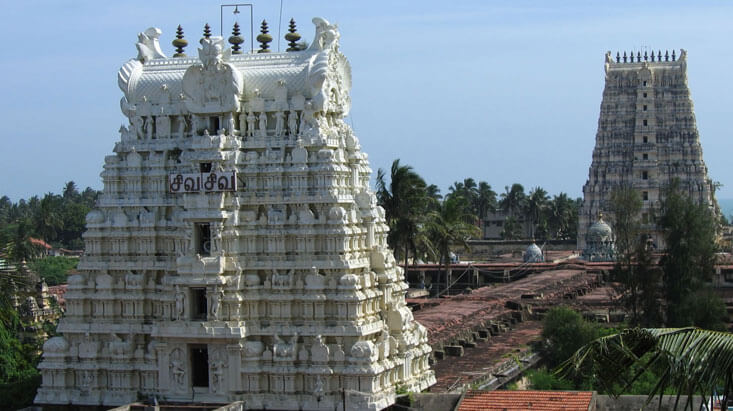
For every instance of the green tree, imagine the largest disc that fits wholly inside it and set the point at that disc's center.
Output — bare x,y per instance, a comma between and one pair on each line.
511,229
18,245
447,227
513,199
648,298
89,197
687,360
562,217
468,190
688,263
626,205
73,224
6,207
70,193
535,207
564,331
54,270
405,202
542,379
19,378
47,219
433,196
704,309
485,201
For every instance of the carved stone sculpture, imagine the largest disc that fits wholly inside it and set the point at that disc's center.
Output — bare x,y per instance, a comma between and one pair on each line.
177,370
180,302
279,123
262,119
292,123
251,124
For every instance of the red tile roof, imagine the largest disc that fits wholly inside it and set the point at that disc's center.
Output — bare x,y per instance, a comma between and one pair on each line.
39,242
526,400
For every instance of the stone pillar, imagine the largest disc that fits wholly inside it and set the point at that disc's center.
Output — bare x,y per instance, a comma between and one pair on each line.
163,372
234,379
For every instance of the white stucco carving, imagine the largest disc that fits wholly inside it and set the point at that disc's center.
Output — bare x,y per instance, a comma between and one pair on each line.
280,287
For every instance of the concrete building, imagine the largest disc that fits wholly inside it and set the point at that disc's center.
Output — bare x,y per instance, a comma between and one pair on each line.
494,225
237,252
647,137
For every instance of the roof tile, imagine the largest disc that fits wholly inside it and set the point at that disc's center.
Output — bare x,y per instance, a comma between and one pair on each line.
526,400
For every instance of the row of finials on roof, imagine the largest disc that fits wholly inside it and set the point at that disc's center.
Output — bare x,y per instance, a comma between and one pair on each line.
236,39
646,56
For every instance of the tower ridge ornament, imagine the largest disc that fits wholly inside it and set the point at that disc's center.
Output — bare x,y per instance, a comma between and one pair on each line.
214,85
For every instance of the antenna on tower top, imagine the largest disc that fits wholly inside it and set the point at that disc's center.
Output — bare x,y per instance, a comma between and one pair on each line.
235,12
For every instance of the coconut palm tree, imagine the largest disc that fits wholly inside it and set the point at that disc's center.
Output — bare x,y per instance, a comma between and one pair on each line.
70,192
448,227
47,218
560,215
485,200
512,200
433,195
404,201
688,360
535,206
512,229
19,247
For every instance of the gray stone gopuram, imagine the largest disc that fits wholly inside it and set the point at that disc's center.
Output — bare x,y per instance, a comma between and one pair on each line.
647,137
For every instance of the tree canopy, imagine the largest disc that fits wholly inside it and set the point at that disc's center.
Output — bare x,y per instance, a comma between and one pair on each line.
57,219
688,360
689,259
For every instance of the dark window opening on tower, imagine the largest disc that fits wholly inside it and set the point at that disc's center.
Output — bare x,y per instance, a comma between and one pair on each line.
644,107
199,366
205,167
644,175
645,139
644,95
645,156
199,304
203,238
214,125
646,122
645,195
644,85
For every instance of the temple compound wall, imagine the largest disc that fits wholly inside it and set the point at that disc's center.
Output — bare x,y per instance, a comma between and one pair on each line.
647,137
237,251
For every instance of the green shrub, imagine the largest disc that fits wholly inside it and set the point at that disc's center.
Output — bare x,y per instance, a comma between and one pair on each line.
564,331
541,379
54,269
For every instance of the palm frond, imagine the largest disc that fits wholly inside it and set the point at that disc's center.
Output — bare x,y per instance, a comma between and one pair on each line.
688,360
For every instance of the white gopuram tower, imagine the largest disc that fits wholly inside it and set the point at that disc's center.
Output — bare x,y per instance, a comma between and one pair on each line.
237,252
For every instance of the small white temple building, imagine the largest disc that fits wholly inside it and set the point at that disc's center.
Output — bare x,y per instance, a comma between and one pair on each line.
237,252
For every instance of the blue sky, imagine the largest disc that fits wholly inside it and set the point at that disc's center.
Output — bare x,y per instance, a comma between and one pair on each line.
499,91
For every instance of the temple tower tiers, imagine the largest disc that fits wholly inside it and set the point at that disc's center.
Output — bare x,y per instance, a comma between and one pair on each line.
237,252
646,138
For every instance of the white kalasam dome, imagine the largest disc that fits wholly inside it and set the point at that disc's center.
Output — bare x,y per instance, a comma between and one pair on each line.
599,242
599,231
95,217
533,254
55,345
